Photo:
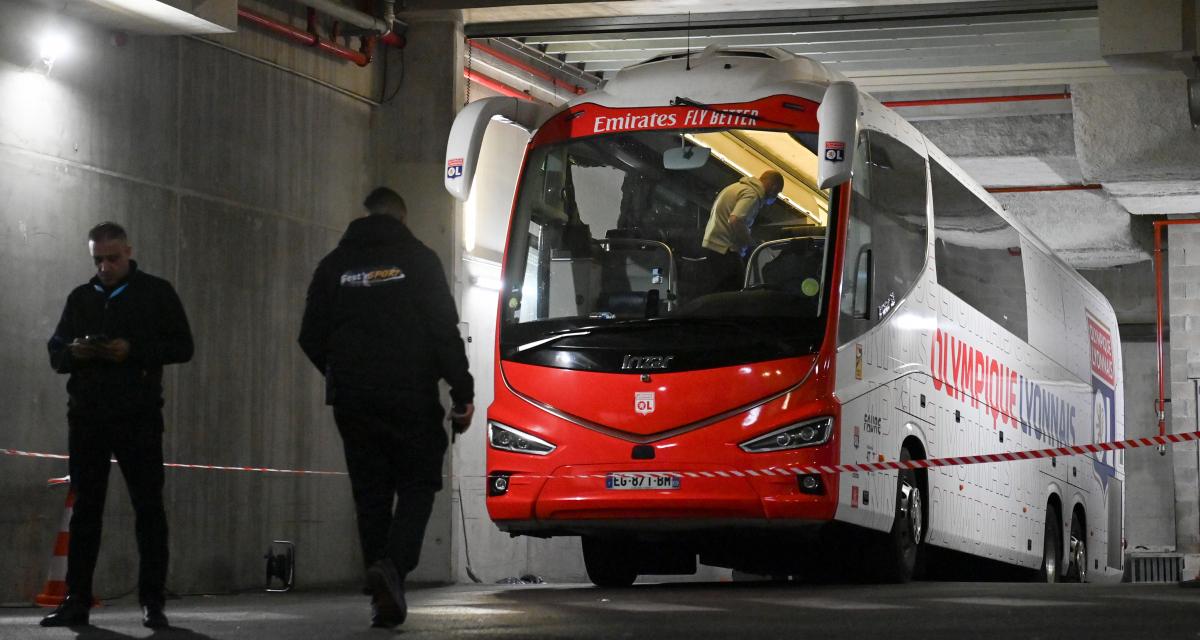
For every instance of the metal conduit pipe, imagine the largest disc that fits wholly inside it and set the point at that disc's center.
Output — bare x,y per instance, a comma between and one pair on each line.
937,102
350,16
1044,187
507,59
496,85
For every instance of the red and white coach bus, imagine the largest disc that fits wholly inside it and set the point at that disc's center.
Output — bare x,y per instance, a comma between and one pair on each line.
890,309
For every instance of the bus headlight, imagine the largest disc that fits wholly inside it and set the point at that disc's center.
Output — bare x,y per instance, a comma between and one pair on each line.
802,434
509,439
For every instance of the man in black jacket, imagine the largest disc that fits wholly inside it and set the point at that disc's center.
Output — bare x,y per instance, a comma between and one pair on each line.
381,325
116,333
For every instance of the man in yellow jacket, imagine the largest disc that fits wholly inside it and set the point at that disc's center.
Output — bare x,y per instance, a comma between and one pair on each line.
727,234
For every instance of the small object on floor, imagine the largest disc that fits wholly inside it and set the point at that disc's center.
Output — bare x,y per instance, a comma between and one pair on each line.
528,578
281,564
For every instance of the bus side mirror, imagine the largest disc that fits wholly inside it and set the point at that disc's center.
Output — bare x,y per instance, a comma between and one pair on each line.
466,137
838,118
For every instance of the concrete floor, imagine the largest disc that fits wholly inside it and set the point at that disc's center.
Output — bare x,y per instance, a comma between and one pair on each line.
681,610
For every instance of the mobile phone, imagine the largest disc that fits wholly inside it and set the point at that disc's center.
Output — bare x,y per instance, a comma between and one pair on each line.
96,338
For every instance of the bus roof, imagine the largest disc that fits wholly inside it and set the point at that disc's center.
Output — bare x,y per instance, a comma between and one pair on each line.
715,75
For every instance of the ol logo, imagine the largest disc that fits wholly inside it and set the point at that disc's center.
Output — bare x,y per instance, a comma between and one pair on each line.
835,151
454,168
643,402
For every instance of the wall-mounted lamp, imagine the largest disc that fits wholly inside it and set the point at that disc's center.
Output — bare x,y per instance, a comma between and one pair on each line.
52,47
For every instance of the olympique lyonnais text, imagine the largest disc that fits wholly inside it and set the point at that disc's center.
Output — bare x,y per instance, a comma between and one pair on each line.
968,374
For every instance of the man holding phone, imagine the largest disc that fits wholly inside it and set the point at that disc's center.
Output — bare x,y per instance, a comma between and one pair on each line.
116,333
380,324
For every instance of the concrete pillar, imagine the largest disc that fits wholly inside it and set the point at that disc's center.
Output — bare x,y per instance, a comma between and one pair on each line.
1135,129
1184,275
408,154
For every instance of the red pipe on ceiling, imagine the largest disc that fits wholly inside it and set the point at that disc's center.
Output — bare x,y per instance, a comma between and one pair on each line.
937,102
504,57
310,38
303,37
1045,187
495,85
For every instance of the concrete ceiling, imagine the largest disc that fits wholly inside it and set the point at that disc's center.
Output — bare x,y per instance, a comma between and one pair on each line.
903,50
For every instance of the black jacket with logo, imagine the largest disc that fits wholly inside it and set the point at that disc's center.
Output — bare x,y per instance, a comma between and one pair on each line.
143,310
380,319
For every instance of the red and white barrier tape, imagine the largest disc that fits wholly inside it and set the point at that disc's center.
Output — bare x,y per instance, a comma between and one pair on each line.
179,465
883,465
893,465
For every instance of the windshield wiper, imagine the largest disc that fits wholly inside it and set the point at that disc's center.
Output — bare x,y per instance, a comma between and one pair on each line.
622,326
556,336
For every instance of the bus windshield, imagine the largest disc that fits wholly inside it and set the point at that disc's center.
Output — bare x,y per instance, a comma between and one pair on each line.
612,250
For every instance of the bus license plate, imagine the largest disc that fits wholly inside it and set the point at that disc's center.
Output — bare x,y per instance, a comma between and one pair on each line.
640,480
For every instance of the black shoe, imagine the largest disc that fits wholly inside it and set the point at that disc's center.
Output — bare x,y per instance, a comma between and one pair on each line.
384,617
153,616
73,612
388,608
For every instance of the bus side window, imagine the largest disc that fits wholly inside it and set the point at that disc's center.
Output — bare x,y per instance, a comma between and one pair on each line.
978,254
886,237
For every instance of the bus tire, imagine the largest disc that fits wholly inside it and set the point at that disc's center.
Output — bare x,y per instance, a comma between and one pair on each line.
908,526
1051,547
608,562
1077,568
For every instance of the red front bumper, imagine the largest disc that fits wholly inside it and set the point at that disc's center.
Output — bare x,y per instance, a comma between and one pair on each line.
720,484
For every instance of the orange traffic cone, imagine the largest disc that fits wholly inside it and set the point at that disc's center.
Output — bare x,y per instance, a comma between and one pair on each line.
56,585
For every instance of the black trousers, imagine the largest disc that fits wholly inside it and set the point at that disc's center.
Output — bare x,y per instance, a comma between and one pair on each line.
726,272
394,450
136,443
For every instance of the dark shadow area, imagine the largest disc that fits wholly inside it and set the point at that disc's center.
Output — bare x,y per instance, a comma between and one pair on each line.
92,632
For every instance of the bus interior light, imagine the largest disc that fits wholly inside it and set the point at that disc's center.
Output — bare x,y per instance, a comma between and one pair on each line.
509,439
802,434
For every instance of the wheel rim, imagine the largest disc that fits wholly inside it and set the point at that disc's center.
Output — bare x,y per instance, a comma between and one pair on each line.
916,524
1079,557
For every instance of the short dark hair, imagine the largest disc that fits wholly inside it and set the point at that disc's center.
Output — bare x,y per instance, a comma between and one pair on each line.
107,231
384,200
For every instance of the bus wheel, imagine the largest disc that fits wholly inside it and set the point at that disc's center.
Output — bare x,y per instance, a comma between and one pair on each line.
1051,547
908,526
1077,564
607,562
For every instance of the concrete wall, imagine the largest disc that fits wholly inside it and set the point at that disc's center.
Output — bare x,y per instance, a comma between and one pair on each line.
1149,475
1183,256
408,153
233,178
